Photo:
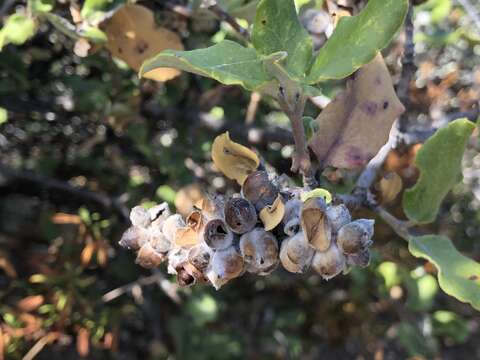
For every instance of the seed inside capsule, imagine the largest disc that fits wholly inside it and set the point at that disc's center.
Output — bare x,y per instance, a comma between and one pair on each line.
240,215
216,235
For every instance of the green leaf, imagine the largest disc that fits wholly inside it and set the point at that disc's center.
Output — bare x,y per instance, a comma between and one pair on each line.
276,29
458,275
439,161
3,115
62,25
227,62
18,28
447,323
93,34
166,193
41,6
357,39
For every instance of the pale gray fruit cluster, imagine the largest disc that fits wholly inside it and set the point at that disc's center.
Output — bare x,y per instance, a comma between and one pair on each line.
223,238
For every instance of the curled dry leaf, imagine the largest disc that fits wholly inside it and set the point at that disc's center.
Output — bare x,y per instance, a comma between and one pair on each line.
315,224
390,186
134,37
368,106
272,215
235,161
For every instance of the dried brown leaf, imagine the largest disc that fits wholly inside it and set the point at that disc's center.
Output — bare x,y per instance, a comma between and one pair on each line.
134,37
357,123
315,224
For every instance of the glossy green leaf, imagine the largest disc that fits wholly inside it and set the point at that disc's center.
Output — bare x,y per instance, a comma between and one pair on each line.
276,29
458,275
18,28
439,161
227,62
357,39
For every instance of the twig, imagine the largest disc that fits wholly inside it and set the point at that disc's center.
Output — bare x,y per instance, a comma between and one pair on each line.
301,157
224,16
252,107
58,188
399,226
39,345
408,70
156,278
472,12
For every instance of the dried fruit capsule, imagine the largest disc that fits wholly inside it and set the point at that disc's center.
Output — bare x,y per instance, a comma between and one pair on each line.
140,217
200,256
240,215
291,219
184,278
159,241
338,216
176,257
171,225
355,236
361,259
315,224
259,190
217,235
226,264
296,254
329,263
148,258
259,248
159,213
133,238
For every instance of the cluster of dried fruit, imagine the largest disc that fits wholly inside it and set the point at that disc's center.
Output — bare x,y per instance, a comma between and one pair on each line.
222,238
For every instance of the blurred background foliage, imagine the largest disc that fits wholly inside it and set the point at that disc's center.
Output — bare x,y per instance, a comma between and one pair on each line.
82,139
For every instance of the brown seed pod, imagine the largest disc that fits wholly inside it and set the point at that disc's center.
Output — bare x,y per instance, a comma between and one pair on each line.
171,225
176,257
240,215
184,278
217,235
259,190
133,238
148,258
159,242
159,213
190,234
259,249
226,264
361,259
296,254
315,224
355,236
140,217
338,216
200,256
291,219
329,263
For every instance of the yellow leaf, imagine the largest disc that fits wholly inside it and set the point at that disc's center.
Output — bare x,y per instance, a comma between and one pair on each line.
235,161
272,215
133,37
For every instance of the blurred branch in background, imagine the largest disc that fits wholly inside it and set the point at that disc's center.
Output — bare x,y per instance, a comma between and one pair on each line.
59,191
